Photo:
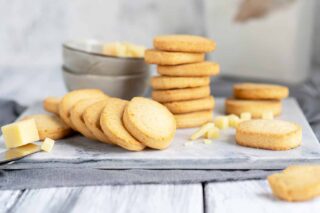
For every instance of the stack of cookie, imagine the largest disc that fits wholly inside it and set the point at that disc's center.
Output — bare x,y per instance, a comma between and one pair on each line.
184,82
256,99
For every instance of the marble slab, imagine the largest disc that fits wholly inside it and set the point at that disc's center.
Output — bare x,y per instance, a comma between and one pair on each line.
223,153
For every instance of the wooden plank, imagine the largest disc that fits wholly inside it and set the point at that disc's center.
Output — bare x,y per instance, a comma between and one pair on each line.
131,198
251,196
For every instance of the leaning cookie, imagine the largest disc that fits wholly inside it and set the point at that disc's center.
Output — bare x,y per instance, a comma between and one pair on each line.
165,96
51,104
194,119
162,82
255,107
255,91
183,43
201,104
149,122
112,125
269,134
296,183
50,126
171,58
71,98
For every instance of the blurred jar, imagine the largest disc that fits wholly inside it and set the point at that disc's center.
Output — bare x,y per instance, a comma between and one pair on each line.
262,39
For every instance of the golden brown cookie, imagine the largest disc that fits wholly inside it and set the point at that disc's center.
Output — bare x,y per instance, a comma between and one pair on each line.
150,122
112,125
200,69
269,134
71,98
193,119
91,117
296,183
255,91
50,126
256,108
76,116
51,104
179,107
184,43
162,82
171,58
165,96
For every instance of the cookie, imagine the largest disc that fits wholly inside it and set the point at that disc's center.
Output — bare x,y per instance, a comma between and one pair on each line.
173,95
112,126
179,107
200,69
171,58
149,122
193,119
254,91
255,108
51,104
296,183
71,98
269,134
77,119
91,117
162,82
50,126
184,43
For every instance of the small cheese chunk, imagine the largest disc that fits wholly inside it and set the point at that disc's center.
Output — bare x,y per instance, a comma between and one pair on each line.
221,122
245,116
20,133
233,120
207,141
200,132
213,133
47,145
267,115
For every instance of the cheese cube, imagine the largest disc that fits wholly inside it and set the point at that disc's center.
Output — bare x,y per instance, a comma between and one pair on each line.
267,115
47,145
20,133
233,120
213,133
200,132
245,116
221,122
207,141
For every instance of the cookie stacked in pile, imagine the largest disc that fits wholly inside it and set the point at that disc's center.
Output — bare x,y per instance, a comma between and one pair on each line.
183,85
256,99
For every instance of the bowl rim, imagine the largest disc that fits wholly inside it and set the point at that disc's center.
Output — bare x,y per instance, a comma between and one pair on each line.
66,45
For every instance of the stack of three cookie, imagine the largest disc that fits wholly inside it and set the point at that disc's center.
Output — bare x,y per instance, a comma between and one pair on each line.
183,85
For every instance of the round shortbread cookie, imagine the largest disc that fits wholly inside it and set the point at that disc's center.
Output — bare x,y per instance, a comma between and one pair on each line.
200,69
112,125
269,134
193,119
260,91
50,126
91,117
183,43
256,108
179,107
171,58
150,122
76,116
71,98
165,96
162,82
51,104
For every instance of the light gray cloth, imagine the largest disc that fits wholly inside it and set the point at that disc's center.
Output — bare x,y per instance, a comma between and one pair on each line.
307,94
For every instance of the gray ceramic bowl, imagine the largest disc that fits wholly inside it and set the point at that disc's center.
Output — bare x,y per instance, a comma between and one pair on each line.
85,57
125,87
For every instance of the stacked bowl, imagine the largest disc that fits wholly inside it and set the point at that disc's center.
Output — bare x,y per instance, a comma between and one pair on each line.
85,66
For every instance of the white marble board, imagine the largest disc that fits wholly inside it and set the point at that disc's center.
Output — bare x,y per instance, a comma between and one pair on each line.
223,153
